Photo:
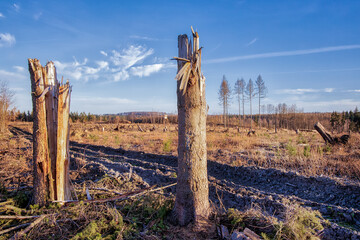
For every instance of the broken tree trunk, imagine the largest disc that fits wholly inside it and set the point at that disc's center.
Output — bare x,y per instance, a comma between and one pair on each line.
192,191
51,104
324,134
40,145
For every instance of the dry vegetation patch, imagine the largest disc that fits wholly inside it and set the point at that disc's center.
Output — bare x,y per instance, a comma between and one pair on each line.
146,216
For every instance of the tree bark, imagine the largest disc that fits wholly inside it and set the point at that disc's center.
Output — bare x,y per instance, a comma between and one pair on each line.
192,191
51,103
40,144
324,134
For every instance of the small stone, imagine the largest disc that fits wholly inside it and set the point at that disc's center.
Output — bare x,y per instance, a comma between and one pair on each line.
224,232
236,235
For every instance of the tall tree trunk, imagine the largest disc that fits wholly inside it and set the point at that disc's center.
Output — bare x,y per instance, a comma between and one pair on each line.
259,113
192,191
250,111
239,110
243,108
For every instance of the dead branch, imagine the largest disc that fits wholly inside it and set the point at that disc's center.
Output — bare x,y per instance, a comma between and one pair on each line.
18,217
14,228
106,190
124,196
33,224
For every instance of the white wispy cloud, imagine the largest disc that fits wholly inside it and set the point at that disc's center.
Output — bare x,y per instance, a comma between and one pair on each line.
37,15
144,38
77,70
355,91
7,40
1,15
329,106
130,56
16,7
103,100
146,70
118,66
251,42
329,90
11,76
317,71
19,68
284,53
121,75
300,91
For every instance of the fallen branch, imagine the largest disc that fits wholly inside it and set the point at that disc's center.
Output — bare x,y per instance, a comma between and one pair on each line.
18,217
124,196
33,224
106,190
14,228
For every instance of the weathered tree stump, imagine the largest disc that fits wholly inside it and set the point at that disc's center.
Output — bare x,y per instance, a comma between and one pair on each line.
51,105
324,134
192,190
328,137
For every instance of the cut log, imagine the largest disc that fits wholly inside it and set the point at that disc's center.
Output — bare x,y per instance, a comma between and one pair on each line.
324,134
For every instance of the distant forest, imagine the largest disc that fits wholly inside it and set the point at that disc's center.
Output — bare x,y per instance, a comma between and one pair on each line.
284,118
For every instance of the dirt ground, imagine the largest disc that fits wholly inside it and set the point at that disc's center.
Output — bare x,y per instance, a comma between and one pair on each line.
269,171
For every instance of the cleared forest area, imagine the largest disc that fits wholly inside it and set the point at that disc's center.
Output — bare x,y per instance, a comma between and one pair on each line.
265,183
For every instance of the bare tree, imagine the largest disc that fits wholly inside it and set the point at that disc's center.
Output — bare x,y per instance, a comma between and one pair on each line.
239,90
270,110
224,96
6,100
250,93
261,92
192,190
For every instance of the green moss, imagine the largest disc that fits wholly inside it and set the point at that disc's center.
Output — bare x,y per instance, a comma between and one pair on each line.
90,232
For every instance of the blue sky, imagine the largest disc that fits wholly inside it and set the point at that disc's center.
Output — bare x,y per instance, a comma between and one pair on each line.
116,54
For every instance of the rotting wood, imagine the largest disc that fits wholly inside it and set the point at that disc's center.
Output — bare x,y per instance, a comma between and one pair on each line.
51,104
324,134
192,191
328,137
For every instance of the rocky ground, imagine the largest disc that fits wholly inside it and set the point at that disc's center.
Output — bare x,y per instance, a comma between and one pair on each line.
272,190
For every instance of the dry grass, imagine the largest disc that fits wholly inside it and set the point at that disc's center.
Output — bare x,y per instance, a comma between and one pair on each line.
304,152
298,223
